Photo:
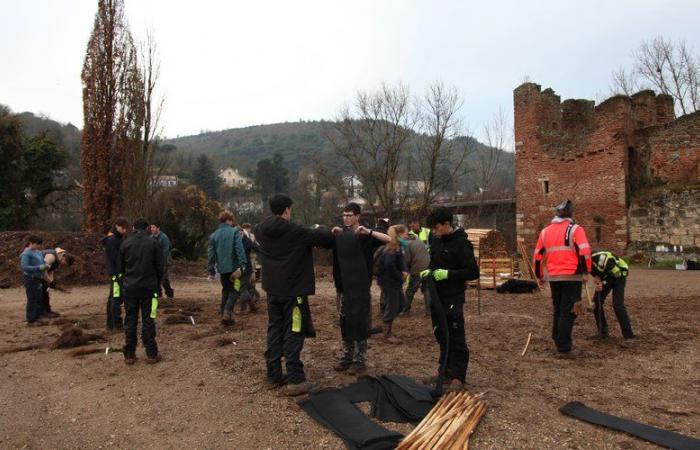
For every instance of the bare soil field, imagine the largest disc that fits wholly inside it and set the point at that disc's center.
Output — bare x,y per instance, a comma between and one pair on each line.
209,390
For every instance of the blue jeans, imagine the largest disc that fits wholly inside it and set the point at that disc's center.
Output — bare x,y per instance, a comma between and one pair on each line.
34,297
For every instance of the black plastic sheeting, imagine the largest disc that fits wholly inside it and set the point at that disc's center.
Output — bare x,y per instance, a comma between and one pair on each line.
395,398
664,438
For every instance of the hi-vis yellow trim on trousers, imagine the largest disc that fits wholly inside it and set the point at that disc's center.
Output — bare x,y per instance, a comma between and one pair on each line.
154,306
296,316
116,289
237,284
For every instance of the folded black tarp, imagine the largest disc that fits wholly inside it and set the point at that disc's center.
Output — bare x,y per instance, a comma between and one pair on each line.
664,438
395,398
334,411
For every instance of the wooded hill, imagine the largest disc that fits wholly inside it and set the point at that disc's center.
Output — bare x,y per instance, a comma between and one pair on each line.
300,143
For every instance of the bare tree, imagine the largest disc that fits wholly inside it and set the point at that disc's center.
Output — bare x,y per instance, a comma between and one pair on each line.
145,174
373,137
498,137
439,156
669,68
112,117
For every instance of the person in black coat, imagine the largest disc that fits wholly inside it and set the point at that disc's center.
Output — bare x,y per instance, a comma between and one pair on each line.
285,250
141,265
452,263
111,244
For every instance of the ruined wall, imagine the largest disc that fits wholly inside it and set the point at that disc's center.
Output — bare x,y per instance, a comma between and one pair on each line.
669,218
572,150
672,151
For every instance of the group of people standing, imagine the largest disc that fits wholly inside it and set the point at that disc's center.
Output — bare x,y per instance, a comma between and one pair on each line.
285,249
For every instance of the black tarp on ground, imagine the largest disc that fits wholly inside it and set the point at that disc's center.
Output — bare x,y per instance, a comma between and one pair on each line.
395,398
334,411
664,438
356,284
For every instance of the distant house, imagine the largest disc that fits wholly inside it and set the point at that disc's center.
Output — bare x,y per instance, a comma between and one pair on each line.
165,180
232,178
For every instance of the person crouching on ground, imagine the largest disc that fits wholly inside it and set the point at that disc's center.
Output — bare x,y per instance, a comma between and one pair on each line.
141,262
33,266
226,253
53,259
288,278
391,273
452,263
111,244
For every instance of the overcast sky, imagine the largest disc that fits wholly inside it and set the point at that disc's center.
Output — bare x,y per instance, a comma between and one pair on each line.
229,64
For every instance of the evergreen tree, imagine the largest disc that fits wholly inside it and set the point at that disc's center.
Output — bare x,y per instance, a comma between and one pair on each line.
206,178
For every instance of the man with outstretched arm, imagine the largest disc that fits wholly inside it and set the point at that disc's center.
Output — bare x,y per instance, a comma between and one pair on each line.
285,250
452,264
353,259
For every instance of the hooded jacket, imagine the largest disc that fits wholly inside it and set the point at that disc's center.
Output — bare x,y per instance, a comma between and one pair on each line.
417,255
286,257
111,243
141,262
455,253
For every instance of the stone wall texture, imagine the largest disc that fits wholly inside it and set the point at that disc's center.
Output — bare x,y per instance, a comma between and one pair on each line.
596,156
669,218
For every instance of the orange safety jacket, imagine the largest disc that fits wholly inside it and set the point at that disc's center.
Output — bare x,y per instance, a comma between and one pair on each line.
564,248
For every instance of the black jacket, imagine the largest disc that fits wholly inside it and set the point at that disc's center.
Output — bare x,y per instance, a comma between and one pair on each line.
111,243
141,262
455,253
286,256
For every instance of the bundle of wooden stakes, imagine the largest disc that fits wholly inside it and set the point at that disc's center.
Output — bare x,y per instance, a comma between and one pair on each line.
448,425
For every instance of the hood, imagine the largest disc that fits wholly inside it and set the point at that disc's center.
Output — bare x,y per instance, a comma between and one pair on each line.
458,233
273,227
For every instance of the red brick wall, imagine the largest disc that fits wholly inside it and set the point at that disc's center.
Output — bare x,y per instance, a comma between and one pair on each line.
582,152
674,150
596,157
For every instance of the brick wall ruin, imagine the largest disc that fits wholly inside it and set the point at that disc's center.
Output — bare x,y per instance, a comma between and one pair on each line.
597,156
668,218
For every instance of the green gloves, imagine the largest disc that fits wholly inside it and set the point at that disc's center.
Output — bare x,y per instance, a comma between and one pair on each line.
438,274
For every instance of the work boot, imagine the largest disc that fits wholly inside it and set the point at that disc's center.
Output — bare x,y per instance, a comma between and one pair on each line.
342,365
154,360
227,318
51,315
38,323
278,382
571,354
129,361
376,330
392,339
454,385
357,368
294,390
597,337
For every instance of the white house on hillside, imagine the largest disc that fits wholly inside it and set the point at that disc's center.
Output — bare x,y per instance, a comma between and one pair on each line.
232,178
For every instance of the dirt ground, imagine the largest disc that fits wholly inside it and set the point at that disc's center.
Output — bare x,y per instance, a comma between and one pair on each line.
209,390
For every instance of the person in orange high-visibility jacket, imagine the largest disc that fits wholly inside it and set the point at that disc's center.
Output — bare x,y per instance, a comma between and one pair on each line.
564,251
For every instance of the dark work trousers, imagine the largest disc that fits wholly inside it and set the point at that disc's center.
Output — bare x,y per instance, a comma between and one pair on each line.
132,306
393,303
165,282
45,305
114,307
32,286
229,295
283,340
355,350
458,352
617,286
564,295
246,293
413,285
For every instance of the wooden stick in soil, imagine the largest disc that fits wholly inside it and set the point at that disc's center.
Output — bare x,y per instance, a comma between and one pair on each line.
527,344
